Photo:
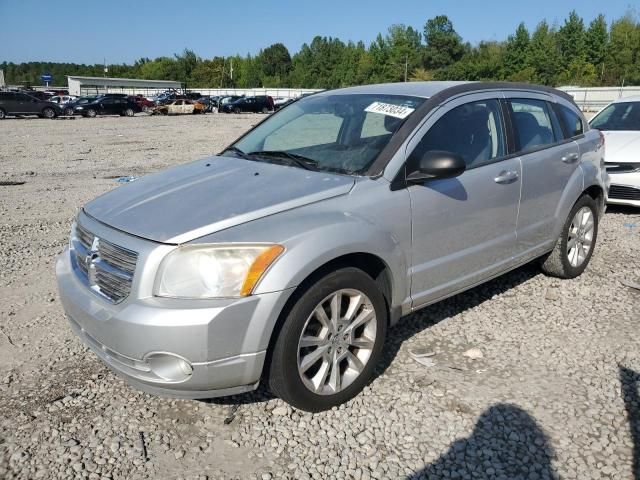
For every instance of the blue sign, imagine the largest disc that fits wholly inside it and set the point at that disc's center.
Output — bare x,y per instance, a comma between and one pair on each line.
46,77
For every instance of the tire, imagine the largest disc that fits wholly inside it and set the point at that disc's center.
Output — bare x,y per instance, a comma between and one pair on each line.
237,110
3,114
265,110
129,112
574,248
68,112
309,384
146,109
48,112
91,113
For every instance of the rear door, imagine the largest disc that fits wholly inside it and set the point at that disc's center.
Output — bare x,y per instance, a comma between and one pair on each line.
9,102
549,161
464,228
27,103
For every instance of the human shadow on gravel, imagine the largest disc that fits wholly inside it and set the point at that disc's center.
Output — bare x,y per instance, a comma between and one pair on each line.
506,443
630,385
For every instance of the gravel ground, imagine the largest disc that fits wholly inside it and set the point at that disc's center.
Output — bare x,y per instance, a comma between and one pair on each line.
526,377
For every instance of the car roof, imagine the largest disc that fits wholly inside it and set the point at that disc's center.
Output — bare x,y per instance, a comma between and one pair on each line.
414,89
442,89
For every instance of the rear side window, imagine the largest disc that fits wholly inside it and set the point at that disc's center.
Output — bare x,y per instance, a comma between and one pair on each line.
572,121
532,122
473,131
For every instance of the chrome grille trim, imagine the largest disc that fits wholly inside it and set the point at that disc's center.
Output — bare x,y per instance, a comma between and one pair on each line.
106,268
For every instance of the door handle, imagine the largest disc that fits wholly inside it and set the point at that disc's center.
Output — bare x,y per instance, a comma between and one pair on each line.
570,158
506,177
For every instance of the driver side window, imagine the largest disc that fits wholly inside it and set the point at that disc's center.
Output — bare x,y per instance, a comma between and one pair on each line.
473,131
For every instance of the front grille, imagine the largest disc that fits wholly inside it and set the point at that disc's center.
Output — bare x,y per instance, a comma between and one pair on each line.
622,167
107,268
623,192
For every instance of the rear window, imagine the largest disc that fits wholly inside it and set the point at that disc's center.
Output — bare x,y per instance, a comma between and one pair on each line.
572,121
533,125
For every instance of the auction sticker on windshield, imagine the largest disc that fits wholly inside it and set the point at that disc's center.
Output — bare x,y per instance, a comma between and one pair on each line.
389,109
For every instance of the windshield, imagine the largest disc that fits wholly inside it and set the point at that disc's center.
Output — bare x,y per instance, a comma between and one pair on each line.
618,116
340,133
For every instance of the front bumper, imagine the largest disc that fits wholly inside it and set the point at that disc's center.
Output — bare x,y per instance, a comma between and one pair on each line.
224,340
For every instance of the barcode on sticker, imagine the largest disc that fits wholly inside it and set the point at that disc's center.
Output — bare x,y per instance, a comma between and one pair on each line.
389,109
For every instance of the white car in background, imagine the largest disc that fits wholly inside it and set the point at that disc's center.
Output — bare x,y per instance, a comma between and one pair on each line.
620,123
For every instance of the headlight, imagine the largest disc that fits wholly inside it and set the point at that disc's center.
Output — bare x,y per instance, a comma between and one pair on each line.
214,271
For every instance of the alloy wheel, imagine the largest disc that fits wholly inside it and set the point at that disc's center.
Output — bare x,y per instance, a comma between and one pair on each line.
580,236
337,341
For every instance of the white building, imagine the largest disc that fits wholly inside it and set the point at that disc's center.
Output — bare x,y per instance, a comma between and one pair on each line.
131,86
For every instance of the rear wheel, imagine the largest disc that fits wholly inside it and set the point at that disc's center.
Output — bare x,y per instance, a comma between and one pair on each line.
48,112
146,109
129,112
265,110
573,251
68,112
330,342
3,114
237,110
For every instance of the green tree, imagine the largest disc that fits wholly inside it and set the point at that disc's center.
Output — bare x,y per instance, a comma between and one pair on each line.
543,54
571,39
623,54
515,54
274,63
444,45
596,41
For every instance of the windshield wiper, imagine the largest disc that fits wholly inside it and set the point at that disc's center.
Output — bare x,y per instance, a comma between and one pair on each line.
238,152
290,158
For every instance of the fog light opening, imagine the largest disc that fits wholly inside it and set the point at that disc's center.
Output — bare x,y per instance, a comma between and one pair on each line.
169,366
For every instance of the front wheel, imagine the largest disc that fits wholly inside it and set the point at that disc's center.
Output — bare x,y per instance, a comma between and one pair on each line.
129,112
91,113
68,112
330,342
3,114
575,246
237,110
48,112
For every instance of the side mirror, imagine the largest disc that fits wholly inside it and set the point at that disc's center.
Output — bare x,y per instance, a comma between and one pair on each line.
434,164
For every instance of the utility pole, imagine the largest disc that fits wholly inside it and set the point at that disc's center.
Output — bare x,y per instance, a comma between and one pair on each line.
406,66
222,74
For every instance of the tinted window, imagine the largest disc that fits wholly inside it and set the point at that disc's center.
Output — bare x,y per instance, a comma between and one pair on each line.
532,123
618,116
473,130
572,121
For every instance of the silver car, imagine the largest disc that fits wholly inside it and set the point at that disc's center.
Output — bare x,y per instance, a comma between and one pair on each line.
287,257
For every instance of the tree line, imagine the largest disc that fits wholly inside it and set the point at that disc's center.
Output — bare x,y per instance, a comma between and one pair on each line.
573,53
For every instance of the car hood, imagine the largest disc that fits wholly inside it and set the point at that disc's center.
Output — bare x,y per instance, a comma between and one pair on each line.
622,146
202,197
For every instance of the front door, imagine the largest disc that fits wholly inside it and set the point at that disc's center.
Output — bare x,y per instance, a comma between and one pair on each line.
464,228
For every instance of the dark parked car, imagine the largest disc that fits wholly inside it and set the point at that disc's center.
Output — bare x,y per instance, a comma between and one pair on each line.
108,105
18,103
70,108
249,104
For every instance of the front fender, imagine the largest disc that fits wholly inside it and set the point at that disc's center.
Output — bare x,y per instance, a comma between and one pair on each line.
376,221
